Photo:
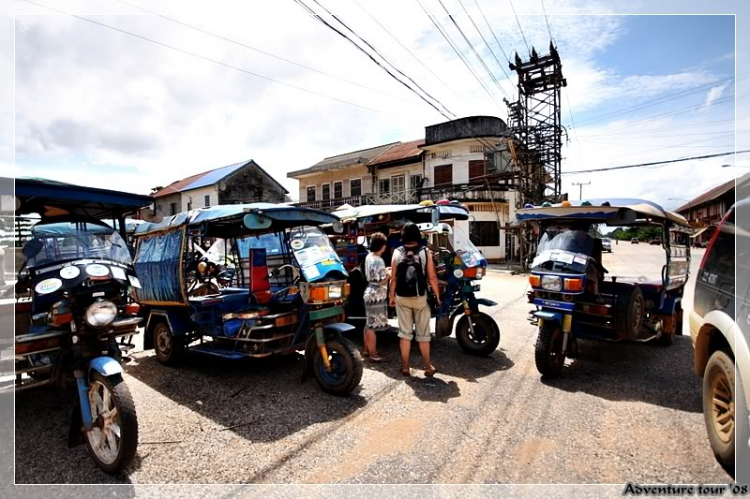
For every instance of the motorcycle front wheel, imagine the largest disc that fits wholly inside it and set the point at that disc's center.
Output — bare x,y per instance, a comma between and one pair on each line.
113,440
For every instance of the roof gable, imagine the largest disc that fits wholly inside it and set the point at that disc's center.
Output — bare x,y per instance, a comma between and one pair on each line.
211,177
714,193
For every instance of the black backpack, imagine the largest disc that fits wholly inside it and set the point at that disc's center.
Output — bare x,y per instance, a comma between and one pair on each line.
410,273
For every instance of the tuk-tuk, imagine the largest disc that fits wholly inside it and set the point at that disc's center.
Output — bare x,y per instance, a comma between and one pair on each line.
573,298
247,280
74,300
459,265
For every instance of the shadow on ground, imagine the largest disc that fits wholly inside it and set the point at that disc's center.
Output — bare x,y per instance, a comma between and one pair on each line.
644,372
446,356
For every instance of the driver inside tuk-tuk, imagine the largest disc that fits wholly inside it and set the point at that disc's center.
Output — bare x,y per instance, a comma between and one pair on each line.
578,240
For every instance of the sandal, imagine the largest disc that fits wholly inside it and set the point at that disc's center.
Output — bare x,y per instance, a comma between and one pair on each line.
406,371
376,360
430,372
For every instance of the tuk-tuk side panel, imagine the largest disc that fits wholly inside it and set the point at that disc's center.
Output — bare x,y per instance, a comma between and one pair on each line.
178,319
158,263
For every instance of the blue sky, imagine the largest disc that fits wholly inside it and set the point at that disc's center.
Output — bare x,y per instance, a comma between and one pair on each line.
107,109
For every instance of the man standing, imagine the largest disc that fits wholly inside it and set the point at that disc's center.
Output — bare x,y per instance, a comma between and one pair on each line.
412,267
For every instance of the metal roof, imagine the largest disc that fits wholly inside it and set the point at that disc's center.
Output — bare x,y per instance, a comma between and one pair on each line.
210,177
362,156
599,210
399,152
41,195
714,193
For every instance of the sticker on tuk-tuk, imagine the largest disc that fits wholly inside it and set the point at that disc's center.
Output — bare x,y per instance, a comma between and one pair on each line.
311,272
97,270
70,272
118,273
309,256
48,286
565,258
581,260
134,281
297,244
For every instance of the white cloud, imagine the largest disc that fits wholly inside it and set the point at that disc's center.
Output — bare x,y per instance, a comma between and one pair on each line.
102,108
714,94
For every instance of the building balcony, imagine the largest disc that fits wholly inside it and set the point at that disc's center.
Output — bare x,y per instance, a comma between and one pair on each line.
474,193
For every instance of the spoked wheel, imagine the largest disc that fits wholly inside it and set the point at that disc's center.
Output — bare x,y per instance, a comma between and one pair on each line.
169,350
548,356
484,338
114,438
719,407
346,367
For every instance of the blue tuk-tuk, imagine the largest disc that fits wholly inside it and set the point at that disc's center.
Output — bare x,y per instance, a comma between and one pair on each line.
247,280
459,265
75,309
573,298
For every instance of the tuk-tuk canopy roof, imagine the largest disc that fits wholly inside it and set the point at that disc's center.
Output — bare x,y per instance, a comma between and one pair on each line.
446,211
615,212
229,220
52,198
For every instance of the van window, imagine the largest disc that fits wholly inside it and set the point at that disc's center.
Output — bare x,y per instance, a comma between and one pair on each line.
720,260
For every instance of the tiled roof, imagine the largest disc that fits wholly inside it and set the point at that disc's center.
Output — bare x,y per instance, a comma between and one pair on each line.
210,177
402,151
363,156
714,193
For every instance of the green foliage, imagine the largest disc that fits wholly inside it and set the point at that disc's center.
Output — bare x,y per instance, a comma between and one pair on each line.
644,233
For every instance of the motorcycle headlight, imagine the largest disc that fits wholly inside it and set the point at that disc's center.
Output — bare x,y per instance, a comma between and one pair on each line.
101,313
335,291
552,283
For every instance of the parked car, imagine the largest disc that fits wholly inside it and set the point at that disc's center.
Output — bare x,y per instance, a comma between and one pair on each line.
655,242
607,244
634,241
720,339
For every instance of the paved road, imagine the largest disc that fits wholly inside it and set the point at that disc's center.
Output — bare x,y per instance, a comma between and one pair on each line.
619,413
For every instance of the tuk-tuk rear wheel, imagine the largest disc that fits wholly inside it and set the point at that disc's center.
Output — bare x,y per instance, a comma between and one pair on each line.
169,349
548,355
346,367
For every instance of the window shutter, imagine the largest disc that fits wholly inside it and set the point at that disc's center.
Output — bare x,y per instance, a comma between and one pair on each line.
443,175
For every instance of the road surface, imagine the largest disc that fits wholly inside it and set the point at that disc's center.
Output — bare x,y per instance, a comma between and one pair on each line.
618,413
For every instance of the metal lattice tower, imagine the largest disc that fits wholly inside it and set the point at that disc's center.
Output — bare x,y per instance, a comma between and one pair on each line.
535,120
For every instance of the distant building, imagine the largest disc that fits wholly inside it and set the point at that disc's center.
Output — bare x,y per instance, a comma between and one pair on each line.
706,211
244,182
449,163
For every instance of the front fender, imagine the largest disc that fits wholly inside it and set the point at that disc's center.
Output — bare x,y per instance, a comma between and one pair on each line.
337,329
106,366
486,302
546,315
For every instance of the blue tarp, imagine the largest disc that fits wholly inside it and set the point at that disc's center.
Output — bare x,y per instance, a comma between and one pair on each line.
157,264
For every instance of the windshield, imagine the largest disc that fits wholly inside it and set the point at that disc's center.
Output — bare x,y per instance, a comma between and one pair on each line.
564,246
314,252
465,249
65,241
272,243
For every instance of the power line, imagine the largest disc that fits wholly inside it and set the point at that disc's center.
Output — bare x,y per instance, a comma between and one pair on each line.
669,113
214,61
471,46
406,48
485,42
460,55
665,162
372,57
255,49
546,20
652,102
519,26
658,129
491,31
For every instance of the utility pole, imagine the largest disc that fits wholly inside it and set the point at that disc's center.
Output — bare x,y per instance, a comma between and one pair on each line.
580,188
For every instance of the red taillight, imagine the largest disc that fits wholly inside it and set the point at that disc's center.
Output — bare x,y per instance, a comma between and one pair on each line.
714,238
132,308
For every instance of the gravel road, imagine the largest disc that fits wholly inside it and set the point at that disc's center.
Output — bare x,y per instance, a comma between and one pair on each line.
619,413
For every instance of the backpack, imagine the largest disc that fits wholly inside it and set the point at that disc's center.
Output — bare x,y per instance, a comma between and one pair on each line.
410,273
